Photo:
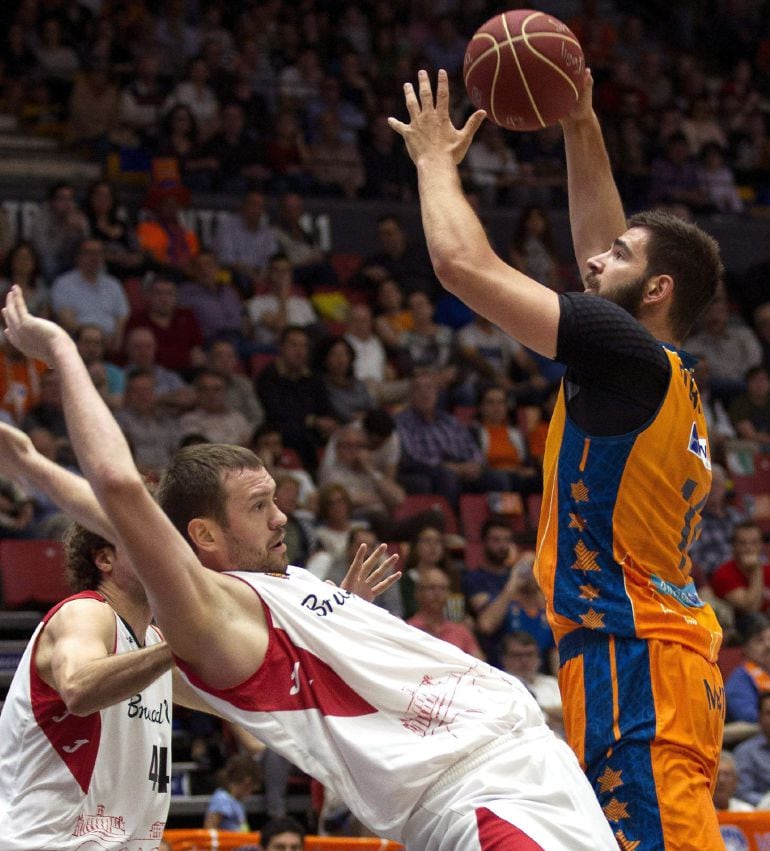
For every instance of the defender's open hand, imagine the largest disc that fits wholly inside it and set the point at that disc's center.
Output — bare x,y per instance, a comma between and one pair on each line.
430,132
366,577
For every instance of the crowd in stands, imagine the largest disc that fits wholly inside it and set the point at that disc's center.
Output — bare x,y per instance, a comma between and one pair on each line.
383,408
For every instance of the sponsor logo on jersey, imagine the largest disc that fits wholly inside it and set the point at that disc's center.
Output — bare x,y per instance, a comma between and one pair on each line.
159,715
699,446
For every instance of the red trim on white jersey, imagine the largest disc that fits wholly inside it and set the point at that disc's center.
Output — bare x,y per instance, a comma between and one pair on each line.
75,738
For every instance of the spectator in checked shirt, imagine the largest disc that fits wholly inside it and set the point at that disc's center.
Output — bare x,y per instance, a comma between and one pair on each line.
439,454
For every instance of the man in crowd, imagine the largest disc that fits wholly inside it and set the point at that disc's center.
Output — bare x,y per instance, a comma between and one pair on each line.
439,455
178,336
431,591
744,580
752,759
245,242
88,295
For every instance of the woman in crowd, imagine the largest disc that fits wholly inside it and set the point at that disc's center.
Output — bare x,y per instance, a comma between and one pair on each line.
532,249
348,395
427,550
22,267
335,523
121,248
503,444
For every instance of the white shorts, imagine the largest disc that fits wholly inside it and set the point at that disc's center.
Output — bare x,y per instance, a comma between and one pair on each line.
526,793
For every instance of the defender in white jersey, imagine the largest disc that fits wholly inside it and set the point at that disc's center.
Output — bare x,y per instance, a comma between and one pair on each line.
85,731
425,743
93,781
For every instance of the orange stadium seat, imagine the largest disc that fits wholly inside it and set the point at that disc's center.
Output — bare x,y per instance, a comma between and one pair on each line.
32,572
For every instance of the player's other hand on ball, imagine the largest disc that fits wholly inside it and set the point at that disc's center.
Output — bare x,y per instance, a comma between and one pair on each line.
430,134
33,336
584,108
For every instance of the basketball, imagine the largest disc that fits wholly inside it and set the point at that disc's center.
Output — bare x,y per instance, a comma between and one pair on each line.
525,68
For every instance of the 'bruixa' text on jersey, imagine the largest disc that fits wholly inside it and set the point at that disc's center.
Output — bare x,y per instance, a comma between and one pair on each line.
617,524
74,783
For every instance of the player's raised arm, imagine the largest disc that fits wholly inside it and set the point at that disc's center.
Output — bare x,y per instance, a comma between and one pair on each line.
20,461
163,561
595,209
463,259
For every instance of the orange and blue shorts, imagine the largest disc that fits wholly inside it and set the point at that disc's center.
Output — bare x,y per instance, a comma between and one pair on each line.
645,718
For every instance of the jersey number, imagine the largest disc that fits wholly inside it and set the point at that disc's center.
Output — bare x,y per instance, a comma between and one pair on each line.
689,530
159,769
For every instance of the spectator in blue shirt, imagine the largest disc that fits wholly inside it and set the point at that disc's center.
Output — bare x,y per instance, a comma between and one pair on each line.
752,678
752,758
226,810
88,295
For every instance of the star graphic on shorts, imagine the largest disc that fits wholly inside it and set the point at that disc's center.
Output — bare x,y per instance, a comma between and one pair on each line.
592,620
585,558
626,844
579,491
577,522
616,810
588,592
610,780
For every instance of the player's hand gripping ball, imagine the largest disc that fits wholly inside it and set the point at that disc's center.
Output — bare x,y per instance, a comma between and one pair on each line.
525,68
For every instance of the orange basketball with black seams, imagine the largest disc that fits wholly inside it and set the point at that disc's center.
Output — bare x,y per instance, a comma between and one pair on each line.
525,68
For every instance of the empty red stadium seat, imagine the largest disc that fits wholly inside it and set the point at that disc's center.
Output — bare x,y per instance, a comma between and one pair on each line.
474,510
345,265
258,361
414,503
729,659
32,572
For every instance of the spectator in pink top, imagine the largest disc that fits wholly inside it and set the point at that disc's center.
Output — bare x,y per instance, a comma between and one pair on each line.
432,592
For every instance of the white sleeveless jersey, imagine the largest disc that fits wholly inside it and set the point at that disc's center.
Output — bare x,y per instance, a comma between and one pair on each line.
373,708
84,783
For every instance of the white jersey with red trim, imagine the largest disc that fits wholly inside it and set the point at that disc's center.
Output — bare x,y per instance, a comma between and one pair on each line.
88,783
373,708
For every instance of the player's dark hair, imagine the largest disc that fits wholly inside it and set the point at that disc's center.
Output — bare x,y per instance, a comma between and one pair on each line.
378,422
240,767
193,484
277,826
519,636
690,256
80,547
494,522
742,526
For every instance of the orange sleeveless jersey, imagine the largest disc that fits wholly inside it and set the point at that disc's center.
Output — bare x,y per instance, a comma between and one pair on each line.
619,514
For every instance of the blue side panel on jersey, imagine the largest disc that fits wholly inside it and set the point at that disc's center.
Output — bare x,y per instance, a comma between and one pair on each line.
606,462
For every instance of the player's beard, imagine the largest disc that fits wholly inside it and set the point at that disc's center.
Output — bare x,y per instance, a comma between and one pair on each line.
250,559
628,295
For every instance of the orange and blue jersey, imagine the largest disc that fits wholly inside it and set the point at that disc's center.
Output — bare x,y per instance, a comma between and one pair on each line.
619,515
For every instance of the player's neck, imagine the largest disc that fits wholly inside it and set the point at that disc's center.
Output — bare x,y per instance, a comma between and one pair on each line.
660,328
132,608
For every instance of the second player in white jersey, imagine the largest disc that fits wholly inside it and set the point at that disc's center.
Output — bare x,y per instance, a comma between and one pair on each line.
75,783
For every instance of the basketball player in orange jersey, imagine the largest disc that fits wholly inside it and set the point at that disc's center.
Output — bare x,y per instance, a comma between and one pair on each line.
627,471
